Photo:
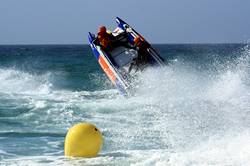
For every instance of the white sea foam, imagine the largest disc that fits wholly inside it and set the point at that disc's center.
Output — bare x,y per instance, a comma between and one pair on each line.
178,116
15,81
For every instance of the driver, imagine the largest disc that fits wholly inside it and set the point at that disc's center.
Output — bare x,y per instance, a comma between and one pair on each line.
106,39
109,42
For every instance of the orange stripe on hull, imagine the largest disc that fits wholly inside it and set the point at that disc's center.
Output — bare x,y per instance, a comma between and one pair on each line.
106,69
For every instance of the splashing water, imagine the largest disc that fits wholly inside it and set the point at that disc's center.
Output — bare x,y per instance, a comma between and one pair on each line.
183,114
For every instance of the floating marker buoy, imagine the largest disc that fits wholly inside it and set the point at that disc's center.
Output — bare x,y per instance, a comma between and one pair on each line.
83,140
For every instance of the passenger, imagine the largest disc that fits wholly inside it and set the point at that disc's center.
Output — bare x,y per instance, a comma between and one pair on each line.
142,52
143,56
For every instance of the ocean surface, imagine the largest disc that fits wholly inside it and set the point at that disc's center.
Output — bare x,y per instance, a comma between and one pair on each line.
195,111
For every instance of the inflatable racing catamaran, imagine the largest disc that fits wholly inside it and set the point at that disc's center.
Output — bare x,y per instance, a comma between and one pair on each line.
120,63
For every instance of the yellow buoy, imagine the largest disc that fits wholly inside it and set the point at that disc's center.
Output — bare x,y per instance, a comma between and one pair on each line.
83,140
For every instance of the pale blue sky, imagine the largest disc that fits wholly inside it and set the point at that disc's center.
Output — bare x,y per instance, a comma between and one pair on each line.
160,21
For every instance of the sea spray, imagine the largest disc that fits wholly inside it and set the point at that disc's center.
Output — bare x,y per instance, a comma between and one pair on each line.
194,111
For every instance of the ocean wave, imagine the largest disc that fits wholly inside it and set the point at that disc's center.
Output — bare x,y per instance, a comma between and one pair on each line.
15,81
179,115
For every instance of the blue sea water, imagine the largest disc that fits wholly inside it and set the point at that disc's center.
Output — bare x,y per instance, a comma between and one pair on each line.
194,111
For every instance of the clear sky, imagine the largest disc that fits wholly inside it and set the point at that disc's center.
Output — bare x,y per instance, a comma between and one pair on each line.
160,21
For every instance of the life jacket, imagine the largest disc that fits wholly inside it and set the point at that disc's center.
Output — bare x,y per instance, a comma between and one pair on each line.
105,39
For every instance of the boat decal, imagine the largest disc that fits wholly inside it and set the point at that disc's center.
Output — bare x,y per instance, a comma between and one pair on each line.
107,70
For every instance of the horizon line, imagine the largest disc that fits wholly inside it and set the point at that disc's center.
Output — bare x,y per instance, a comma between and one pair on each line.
184,43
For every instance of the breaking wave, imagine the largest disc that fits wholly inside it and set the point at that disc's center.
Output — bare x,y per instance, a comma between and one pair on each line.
179,115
